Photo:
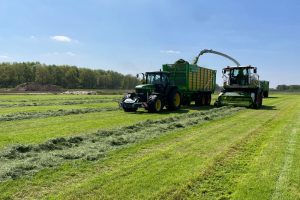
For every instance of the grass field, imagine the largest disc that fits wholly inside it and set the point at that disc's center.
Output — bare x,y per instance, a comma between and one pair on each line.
84,147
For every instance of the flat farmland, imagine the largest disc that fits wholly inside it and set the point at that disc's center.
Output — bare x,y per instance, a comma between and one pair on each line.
85,147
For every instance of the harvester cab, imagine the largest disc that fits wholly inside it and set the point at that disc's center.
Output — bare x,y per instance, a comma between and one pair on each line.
240,76
241,87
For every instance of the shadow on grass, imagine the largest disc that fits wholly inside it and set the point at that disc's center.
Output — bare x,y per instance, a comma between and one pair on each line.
268,107
271,97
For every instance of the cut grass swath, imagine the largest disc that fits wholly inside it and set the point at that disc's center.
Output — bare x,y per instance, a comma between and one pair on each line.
22,160
51,113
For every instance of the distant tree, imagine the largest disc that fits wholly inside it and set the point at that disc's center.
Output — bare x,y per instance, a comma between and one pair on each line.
12,74
72,77
288,88
42,75
87,78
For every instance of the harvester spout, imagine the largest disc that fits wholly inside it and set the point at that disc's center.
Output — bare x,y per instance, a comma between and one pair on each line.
215,52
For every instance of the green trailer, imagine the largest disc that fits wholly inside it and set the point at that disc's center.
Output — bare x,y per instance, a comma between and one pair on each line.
194,83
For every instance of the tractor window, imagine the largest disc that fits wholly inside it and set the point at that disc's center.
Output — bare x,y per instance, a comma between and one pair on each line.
159,78
153,79
165,79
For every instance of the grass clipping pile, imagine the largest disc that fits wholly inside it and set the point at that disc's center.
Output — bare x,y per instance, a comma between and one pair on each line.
58,103
20,160
52,113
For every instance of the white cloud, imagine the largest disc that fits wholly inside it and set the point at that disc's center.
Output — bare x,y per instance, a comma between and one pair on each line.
4,57
55,53
170,52
32,37
61,38
69,53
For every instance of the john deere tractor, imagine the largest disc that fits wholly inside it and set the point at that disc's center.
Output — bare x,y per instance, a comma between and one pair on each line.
241,87
155,93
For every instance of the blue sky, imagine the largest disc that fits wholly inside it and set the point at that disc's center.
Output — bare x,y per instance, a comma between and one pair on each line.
132,36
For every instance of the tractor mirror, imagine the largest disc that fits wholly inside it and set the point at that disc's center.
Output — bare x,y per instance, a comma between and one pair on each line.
223,71
137,75
255,71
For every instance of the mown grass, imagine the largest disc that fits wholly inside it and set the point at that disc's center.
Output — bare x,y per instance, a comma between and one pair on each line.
251,155
41,129
50,97
27,159
52,113
31,109
52,103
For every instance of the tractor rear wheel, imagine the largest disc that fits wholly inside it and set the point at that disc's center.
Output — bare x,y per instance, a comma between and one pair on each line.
174,100
155,104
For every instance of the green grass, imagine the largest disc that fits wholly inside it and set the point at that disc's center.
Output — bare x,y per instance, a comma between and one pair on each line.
252,154
11,110
48,97
28,159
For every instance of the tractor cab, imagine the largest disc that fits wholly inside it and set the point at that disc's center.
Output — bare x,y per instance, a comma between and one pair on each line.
154,82
160,80
240,76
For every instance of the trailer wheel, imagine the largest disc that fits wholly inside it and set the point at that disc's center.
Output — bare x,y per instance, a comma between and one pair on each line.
198,100
203,99
155,104
208,99
174,100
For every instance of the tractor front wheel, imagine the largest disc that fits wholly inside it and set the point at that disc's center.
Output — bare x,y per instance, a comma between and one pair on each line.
155,104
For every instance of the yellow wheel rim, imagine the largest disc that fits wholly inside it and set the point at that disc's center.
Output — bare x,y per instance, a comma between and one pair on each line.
177,100
158,105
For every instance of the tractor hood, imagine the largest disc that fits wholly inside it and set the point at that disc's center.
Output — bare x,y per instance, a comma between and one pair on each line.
144,88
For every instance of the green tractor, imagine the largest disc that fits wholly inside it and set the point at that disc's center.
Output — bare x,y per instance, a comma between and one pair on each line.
156,92
241,87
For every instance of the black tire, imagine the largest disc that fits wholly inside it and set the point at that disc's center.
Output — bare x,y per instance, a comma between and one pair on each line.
130,109
208,99
186,102
198,100
258,100
155,104
266,94
174,100
203,100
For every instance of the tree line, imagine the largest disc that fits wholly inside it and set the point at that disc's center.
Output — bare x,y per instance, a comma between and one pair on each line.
13,74
288,88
